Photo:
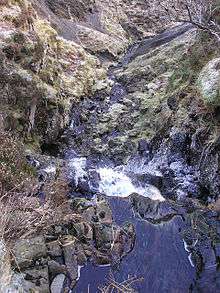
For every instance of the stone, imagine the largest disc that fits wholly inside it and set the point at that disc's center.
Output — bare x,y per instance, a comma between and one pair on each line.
55,268
104,212
70,257
81,255
153,211
103,235
54,248
209,83
5,269
83,186
36,280
26,251
143,146
83,230
57,284
100,258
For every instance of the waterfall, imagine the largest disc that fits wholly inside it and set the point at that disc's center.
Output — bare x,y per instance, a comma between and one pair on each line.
116,183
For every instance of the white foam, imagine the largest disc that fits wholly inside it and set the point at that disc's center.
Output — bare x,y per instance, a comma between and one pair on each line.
116,183
77,167
50,169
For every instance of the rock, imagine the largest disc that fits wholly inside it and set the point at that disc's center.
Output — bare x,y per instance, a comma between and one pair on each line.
54,248
5,269
124,240
26,251
57,284
70,257
209,83
36,280
81,255
178,141
153,211
83,230
103,236
83,187
153,178
100,258
143,146
103,211
55,268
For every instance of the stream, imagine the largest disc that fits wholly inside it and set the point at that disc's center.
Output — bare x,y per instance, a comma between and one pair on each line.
160,257
159,251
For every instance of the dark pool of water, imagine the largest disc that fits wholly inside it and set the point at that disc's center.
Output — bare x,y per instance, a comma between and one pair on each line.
158,256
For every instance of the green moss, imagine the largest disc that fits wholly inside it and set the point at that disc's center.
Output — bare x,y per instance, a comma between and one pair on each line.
191,63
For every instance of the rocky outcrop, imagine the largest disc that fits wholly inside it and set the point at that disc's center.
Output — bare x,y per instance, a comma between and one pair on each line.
102,27
209,83
51,262
42,75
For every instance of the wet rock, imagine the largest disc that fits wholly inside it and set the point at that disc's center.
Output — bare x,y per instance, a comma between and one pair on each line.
57,284
103,236
153,211
103,211
208,178
94,179
101,258
26,251
178,141
124,240
143,147
81,255
83,230
83,186
153,178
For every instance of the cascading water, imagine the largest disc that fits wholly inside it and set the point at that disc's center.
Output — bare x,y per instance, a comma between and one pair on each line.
112,181
115,183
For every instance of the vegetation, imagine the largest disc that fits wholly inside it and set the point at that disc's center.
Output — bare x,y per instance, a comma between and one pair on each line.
203,14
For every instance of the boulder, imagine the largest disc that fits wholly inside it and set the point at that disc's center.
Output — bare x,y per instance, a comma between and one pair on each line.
70,257
209,83
26,251
58,284
36,280
153,211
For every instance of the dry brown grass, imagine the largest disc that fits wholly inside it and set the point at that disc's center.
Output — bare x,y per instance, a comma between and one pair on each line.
124,287
23,214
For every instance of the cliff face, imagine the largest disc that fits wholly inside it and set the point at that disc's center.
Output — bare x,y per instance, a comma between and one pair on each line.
42,74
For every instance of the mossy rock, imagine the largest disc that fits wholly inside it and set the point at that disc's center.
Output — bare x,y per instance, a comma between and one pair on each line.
209,83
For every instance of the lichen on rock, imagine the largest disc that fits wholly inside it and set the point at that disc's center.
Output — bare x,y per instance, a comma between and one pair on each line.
209,83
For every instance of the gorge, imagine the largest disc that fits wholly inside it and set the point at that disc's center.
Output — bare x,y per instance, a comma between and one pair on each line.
109,150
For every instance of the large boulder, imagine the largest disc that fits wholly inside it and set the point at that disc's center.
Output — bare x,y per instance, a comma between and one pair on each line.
209,83
26,251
